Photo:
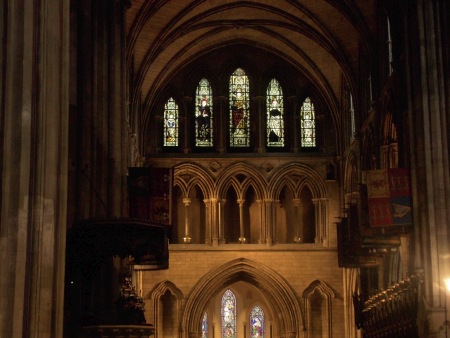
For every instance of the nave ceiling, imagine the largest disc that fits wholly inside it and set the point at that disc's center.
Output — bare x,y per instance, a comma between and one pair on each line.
322,40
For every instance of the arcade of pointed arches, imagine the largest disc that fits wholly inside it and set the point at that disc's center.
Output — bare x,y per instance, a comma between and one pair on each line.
240,204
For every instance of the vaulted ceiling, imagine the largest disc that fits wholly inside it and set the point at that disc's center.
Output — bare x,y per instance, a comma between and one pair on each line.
322,39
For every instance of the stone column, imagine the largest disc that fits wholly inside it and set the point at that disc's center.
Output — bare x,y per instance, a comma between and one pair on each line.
208,222
298,222
215,221
241,221
186,238
428,114
34,164
220,220
318,220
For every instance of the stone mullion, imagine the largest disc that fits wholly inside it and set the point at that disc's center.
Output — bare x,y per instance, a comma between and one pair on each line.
242,238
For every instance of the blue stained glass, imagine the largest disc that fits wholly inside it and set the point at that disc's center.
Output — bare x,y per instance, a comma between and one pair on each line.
205,326
228,312
257,322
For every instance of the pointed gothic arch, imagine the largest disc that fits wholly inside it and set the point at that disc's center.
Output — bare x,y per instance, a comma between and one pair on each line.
279,294
318,298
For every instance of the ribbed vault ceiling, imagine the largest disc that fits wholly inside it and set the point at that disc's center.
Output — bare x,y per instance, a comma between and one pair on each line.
323,39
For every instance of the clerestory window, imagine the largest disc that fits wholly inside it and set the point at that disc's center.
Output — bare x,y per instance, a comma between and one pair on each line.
307,124
171,121
239,109
204,115
275,114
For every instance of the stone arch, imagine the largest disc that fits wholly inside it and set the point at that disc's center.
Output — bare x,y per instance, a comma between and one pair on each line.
252,177
157,295
279,293
188,175
296,175
321,289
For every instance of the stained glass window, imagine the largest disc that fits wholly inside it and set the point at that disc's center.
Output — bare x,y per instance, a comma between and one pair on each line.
239,109
257,322
203,115
275,112
228,313
205,325
171,123
308,124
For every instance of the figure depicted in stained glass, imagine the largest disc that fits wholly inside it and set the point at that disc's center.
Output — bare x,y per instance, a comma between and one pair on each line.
308,124
170,123
239,109
257,322
275,110
204,118
228,315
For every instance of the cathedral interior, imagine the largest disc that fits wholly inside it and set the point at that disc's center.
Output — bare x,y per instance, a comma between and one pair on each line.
261,169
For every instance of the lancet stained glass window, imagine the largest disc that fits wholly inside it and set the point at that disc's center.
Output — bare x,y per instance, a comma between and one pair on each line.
203,115
308,124
257,322
205,325
239,109
171,123
275,113
228,312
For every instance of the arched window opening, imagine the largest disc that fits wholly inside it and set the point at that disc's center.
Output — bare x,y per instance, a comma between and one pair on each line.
228,313
171,123
204,115
275,114
239,109
205,325
307,124
257,322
